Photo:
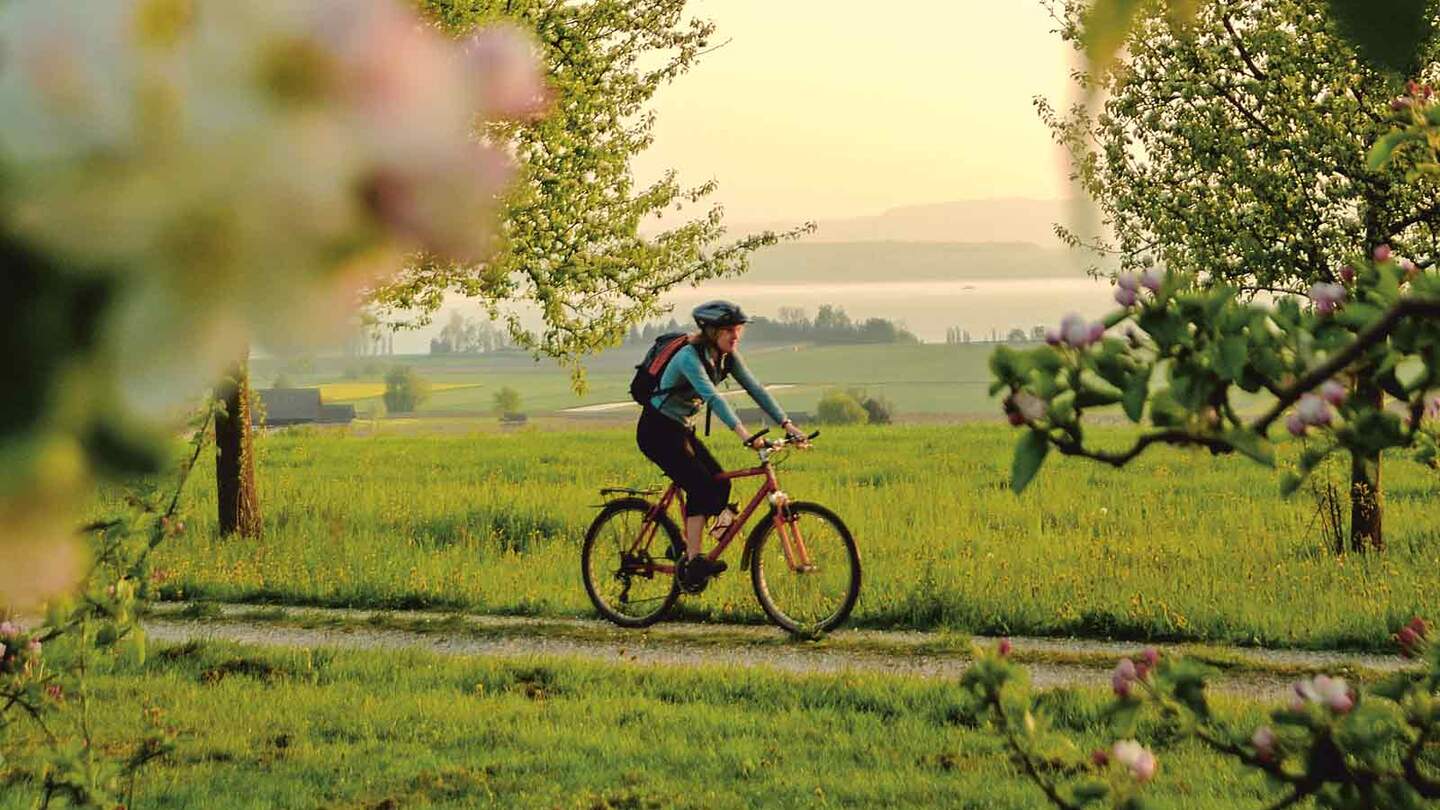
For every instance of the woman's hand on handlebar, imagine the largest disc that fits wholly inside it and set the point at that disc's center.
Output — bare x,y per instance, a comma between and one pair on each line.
795,435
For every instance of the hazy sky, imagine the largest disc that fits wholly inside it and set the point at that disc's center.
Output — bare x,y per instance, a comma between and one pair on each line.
818,109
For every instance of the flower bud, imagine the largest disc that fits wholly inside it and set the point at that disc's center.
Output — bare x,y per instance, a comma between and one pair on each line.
1294,425
1347,274
1323,690
1004,647
8,630
1124,297
1410,268
1382,254
1074,331
1100,757
1313,410
1326,296
1123,678
1052,336
1264,741
1014,417
1128,281
1152,279
1333,392
1135,758
1097,331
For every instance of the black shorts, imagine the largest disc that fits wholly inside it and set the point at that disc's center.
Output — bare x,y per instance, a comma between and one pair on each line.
675,448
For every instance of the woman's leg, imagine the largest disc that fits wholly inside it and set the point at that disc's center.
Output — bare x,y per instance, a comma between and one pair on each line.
689,464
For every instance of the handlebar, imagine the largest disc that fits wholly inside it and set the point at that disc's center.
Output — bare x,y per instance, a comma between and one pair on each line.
771,445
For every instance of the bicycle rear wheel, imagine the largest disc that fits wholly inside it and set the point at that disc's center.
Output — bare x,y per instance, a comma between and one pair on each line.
805,569
624,585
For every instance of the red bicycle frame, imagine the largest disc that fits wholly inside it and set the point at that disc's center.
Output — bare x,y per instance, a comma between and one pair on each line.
792,545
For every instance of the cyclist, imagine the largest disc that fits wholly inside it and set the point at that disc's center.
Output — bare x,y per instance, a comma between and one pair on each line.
667,437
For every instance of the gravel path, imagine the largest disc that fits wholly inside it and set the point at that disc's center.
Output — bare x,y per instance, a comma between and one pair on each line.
1073,662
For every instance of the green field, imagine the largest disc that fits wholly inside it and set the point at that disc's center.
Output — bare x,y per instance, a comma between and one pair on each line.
1181,545
385,729
929,379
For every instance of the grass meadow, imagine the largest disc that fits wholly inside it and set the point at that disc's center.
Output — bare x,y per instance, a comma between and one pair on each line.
384,729
1180,546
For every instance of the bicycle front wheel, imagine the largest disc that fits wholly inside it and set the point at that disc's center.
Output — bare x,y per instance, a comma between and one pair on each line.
806,569
622,579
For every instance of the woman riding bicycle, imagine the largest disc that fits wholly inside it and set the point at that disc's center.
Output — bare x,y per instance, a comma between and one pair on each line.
667,437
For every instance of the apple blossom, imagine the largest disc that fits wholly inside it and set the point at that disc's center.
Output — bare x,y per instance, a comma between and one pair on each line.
1347,274
1333,392
1264,741
8,629
1031,407
1382,254
1124,676
1074,330
1124,296
1128,281
1134,757
1295,424
1152,279
1332,693
1313,410
1005,647
1326,296
1052,336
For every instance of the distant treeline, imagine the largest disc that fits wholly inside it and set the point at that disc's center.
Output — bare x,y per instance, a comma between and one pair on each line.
461,335
793,324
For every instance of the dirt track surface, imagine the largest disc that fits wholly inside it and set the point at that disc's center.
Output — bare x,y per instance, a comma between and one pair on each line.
1262,674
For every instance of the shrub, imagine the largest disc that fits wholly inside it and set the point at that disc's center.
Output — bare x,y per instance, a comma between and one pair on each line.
840,407
405,390
880,410
507,402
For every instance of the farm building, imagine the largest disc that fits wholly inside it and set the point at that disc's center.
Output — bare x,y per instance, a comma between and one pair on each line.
299,406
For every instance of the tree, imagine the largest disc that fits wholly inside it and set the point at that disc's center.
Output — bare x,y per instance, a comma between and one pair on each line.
1233,149
507,401
405,390
570,242
237,496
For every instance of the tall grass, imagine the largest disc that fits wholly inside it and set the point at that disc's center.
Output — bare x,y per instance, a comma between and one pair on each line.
1180,546
385,729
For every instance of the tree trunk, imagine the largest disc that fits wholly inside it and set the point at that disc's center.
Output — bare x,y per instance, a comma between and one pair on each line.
238,498
1366,496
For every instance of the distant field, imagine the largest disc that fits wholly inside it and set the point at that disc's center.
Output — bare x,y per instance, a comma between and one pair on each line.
1181,546
323,728
928,379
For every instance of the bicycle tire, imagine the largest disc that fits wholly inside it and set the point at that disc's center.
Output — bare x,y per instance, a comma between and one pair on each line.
848,556
591,554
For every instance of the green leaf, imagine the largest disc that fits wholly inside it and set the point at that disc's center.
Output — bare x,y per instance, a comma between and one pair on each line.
1252,445
1387,33
1030,453
1135,392
1230,356
1106,25
1386,145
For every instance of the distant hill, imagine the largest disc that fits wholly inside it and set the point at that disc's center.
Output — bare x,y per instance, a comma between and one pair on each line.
1012,219
847,262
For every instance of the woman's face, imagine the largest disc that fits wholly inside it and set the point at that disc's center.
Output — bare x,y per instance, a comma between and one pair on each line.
727,338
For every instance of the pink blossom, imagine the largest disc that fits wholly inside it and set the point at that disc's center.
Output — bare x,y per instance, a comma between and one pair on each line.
1412,638
1382,254
1004,647
1074,330
1128,281
1152,279
1332,693
1135,758
1294,424
1052,336
8,630
1408,266
1333,392
1313,410
1124,297
1151,656
1123,678
55,691
1100,757
1097,331
1326,296
1264,741
1347,274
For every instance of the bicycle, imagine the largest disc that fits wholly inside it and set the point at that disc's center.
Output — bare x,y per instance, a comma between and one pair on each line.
806,581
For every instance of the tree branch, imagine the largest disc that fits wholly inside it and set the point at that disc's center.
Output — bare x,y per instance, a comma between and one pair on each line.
1377,332
1240,48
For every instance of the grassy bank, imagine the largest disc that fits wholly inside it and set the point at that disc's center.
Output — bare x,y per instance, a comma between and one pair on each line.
1181,546
266,728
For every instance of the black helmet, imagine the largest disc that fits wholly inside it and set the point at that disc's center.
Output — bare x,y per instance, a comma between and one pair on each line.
719,313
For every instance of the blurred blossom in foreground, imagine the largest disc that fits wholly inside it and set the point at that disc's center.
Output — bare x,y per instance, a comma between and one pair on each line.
230,169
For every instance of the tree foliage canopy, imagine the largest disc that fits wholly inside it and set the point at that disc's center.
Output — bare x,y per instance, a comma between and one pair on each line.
570,241
1233,146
